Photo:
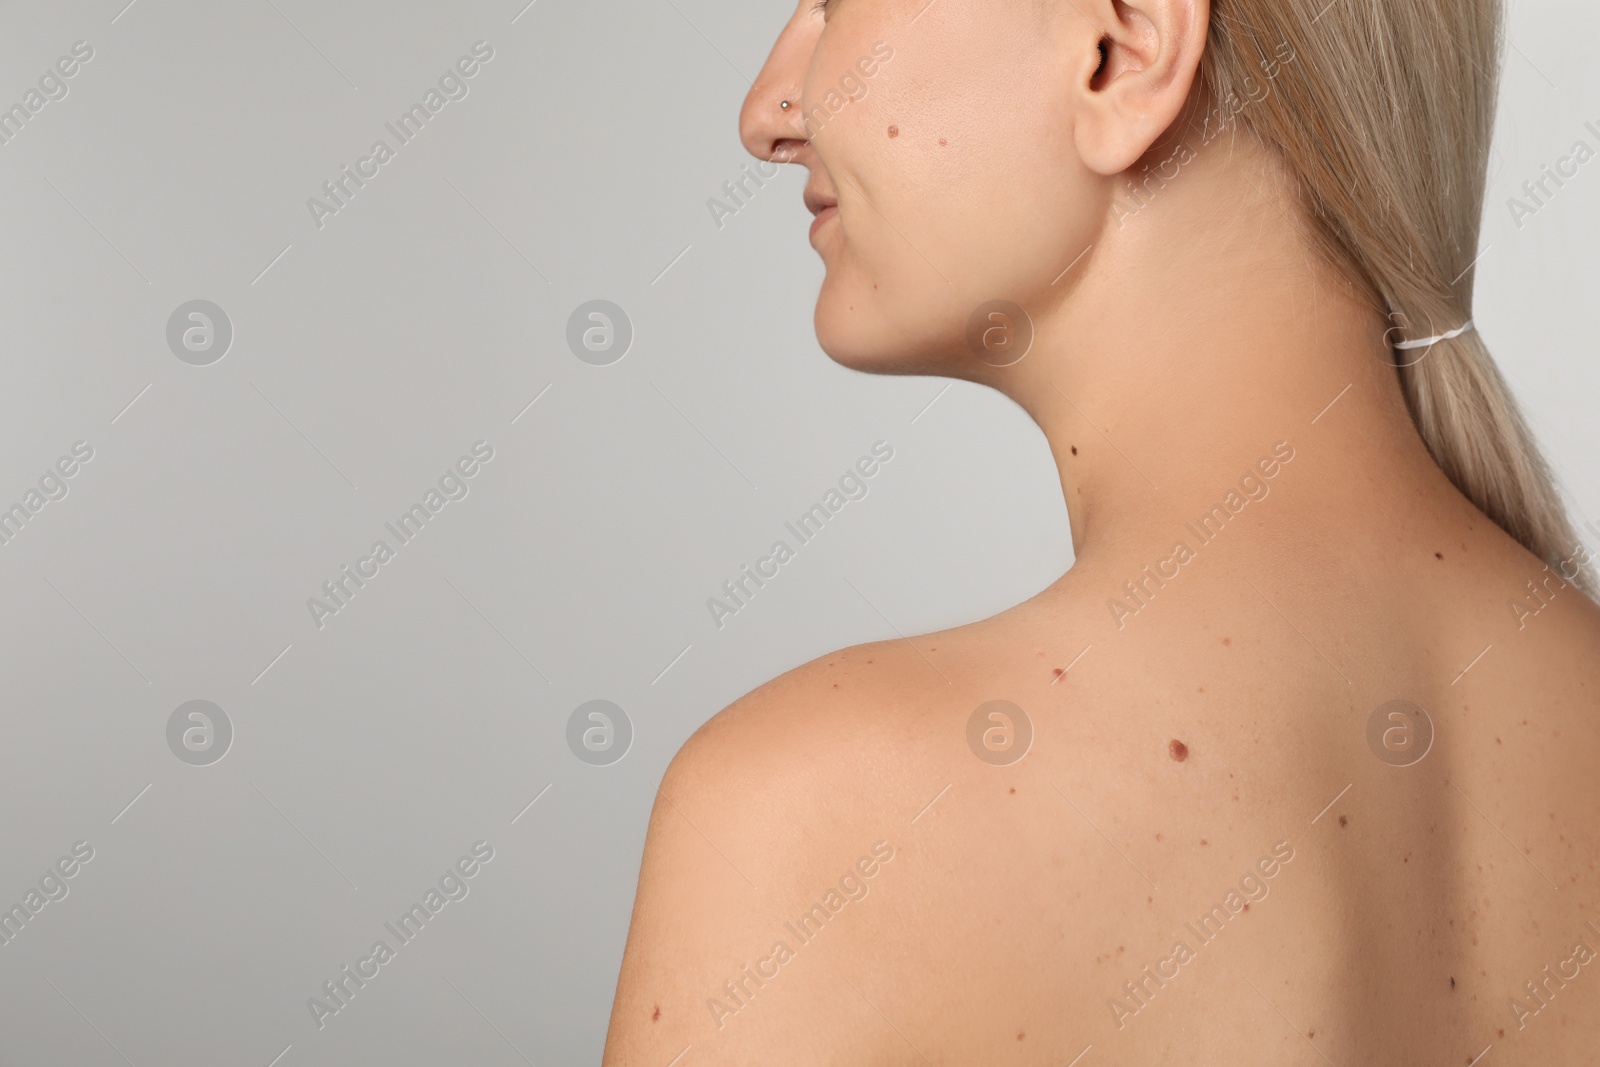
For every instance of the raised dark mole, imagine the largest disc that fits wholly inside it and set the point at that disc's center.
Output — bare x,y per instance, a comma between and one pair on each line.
1438,555
1074,450
1452,982
1344,820
657,1015
894,131
1177,750
1059,672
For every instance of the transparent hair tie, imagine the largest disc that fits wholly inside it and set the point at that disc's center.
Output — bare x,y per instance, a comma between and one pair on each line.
1429,342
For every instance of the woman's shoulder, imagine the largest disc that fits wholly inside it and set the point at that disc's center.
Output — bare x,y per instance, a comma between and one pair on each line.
781,794
820,721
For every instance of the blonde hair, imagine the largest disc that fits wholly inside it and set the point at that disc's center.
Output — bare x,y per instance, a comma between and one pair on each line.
1382,111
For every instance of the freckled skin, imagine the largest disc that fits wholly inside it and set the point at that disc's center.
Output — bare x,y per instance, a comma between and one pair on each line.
1193,339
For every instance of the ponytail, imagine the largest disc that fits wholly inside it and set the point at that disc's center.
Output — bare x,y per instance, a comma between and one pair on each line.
1383,113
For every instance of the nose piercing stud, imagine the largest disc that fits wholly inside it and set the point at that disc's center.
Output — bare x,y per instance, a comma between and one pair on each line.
784,104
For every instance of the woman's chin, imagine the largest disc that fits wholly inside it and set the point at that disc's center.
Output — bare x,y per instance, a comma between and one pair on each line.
878,355
852,337
857,331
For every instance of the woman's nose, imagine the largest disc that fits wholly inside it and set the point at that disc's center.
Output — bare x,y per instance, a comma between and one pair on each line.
768,128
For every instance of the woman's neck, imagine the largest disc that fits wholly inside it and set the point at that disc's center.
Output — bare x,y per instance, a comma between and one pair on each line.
1202,334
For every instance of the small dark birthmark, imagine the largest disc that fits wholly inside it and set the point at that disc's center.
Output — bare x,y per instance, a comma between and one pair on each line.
1452,982
1438,555
894,131
1177,750
1344,820
1074,450
657,1015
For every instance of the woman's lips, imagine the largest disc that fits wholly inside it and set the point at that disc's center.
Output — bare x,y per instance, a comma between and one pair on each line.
822,217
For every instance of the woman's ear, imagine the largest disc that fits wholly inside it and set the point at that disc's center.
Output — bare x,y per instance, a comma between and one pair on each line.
1135,85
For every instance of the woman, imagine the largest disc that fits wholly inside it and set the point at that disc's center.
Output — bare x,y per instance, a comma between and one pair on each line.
1297,763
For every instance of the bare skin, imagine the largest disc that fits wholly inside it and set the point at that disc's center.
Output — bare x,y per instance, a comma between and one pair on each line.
1202,748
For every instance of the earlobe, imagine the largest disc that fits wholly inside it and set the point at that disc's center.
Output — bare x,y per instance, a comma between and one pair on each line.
1147,55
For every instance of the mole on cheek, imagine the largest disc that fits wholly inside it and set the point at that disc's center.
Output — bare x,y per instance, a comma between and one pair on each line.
894,131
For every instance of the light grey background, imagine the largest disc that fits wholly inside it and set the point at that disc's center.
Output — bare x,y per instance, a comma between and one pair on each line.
368,356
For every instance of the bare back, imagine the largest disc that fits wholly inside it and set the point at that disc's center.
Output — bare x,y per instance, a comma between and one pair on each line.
1223,841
